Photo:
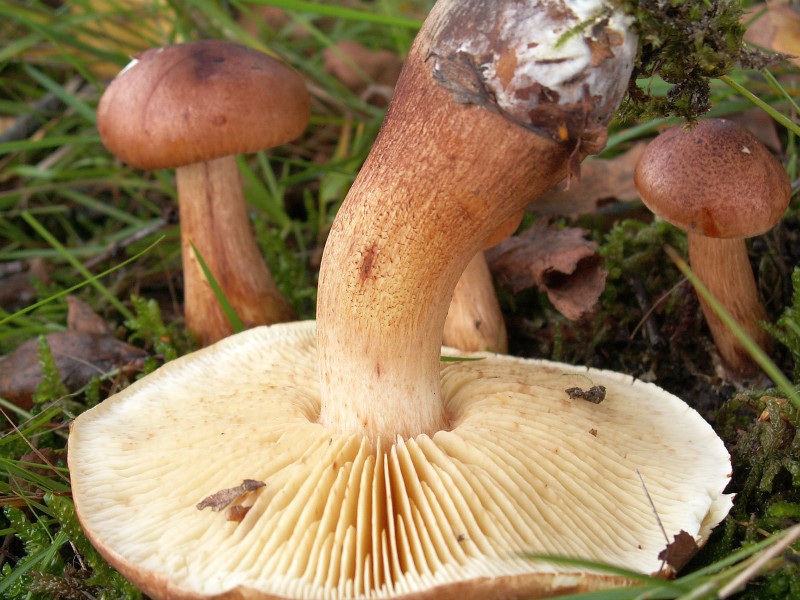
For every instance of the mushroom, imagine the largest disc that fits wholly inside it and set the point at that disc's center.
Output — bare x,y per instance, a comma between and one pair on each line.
720,184
474,319
195,106
344,458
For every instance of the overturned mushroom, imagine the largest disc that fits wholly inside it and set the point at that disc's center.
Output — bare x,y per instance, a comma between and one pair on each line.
195,106
386,472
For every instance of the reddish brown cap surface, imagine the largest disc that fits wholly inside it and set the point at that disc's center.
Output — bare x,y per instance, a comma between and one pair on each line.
715,179
193,102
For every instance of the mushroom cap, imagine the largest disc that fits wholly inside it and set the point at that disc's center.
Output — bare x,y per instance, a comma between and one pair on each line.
714,178
188,103
524,468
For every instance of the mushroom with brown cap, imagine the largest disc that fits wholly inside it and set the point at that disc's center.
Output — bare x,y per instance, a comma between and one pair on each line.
386,472
720,184
195,106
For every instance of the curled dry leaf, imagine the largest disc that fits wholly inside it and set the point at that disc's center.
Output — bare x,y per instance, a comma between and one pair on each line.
219,500
602,182
559,261
41,456
78,355
761,125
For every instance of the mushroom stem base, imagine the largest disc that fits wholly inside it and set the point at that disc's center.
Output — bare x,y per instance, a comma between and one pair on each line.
724,268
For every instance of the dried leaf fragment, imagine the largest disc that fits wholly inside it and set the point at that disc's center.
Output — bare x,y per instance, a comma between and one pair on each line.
219,500
603,181
78,356
236,513
776,29
81,317
680,551
559,261
16,282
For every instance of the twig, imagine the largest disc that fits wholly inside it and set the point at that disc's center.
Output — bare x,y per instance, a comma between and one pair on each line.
649,322
655,512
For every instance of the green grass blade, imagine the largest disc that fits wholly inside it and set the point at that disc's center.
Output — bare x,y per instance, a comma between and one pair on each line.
67,255
766,107
57,90
340,12
230,313
87,281
764,361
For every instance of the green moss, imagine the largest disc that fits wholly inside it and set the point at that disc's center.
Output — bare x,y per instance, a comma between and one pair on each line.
685,43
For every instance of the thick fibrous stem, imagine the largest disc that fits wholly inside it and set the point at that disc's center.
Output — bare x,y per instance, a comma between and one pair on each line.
724,268
474,320
214,218
484,136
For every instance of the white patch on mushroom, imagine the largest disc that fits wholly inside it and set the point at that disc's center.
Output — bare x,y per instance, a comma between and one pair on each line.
128,67
552,52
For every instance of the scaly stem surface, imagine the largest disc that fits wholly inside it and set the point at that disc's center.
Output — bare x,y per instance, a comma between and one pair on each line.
213,216
473,135
400,243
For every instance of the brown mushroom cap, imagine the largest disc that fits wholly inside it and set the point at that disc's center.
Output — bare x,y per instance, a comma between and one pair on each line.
714,178
194,102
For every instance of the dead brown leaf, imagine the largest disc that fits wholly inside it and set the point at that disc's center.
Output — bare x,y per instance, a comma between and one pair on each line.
680,551
559,261
45,457
602,182
273,18
776,28
81,317
78,355
219,500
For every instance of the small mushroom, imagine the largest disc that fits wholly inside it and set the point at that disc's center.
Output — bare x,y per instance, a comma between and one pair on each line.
388,473
474,319
720,184
195,106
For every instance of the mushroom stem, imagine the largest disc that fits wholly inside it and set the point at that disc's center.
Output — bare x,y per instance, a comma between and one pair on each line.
724,268
400,243
474,320
222,234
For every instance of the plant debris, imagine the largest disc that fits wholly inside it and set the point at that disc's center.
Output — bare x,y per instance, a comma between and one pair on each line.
680,551
78,357
686,44
595,394
603,181
557,260
219,500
